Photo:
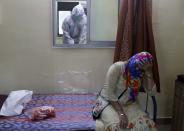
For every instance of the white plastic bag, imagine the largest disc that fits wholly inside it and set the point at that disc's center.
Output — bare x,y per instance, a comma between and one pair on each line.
16,102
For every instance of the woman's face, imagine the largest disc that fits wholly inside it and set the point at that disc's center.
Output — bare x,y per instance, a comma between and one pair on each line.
146,67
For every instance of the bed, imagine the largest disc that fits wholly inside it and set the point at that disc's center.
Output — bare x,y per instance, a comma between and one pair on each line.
73,112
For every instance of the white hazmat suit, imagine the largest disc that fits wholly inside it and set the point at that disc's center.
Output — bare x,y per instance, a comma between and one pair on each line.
75,26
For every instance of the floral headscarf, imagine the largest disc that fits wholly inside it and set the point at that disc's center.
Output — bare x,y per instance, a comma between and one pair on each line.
134,73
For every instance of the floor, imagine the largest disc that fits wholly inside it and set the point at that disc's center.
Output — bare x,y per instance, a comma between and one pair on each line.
164,127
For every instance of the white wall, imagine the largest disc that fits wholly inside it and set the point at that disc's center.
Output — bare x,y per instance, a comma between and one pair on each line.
27,60
168,26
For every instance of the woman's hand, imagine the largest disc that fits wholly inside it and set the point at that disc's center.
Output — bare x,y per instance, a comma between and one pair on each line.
123,120
147,67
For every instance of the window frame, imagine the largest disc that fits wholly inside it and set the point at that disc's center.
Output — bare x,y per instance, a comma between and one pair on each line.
89,44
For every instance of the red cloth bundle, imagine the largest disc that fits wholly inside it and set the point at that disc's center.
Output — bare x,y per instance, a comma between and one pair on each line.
43,112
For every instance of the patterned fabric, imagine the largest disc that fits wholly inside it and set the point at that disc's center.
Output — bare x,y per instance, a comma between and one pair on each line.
134,73
73,112
99,106
138,120
142,123
113,127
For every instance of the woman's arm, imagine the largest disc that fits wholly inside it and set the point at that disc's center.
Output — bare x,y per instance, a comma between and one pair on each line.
122,116
111,89
113,75
148,82
117,107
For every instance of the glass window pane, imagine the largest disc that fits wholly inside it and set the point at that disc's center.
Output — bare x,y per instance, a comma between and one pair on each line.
103,20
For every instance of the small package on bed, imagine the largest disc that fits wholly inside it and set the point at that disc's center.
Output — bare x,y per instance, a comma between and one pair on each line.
40,113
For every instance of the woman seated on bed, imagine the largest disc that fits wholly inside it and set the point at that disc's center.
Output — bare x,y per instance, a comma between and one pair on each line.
129,76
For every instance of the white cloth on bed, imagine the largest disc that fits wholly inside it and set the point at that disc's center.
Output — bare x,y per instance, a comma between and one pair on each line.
16,102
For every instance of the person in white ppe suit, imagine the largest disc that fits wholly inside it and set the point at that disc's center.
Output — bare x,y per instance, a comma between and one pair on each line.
74,26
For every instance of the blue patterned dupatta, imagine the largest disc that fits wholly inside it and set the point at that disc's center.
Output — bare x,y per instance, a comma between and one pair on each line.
134,73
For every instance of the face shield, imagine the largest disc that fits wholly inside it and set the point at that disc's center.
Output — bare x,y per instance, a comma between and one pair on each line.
77,13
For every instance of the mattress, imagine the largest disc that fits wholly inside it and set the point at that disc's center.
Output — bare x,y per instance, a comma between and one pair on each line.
73,112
